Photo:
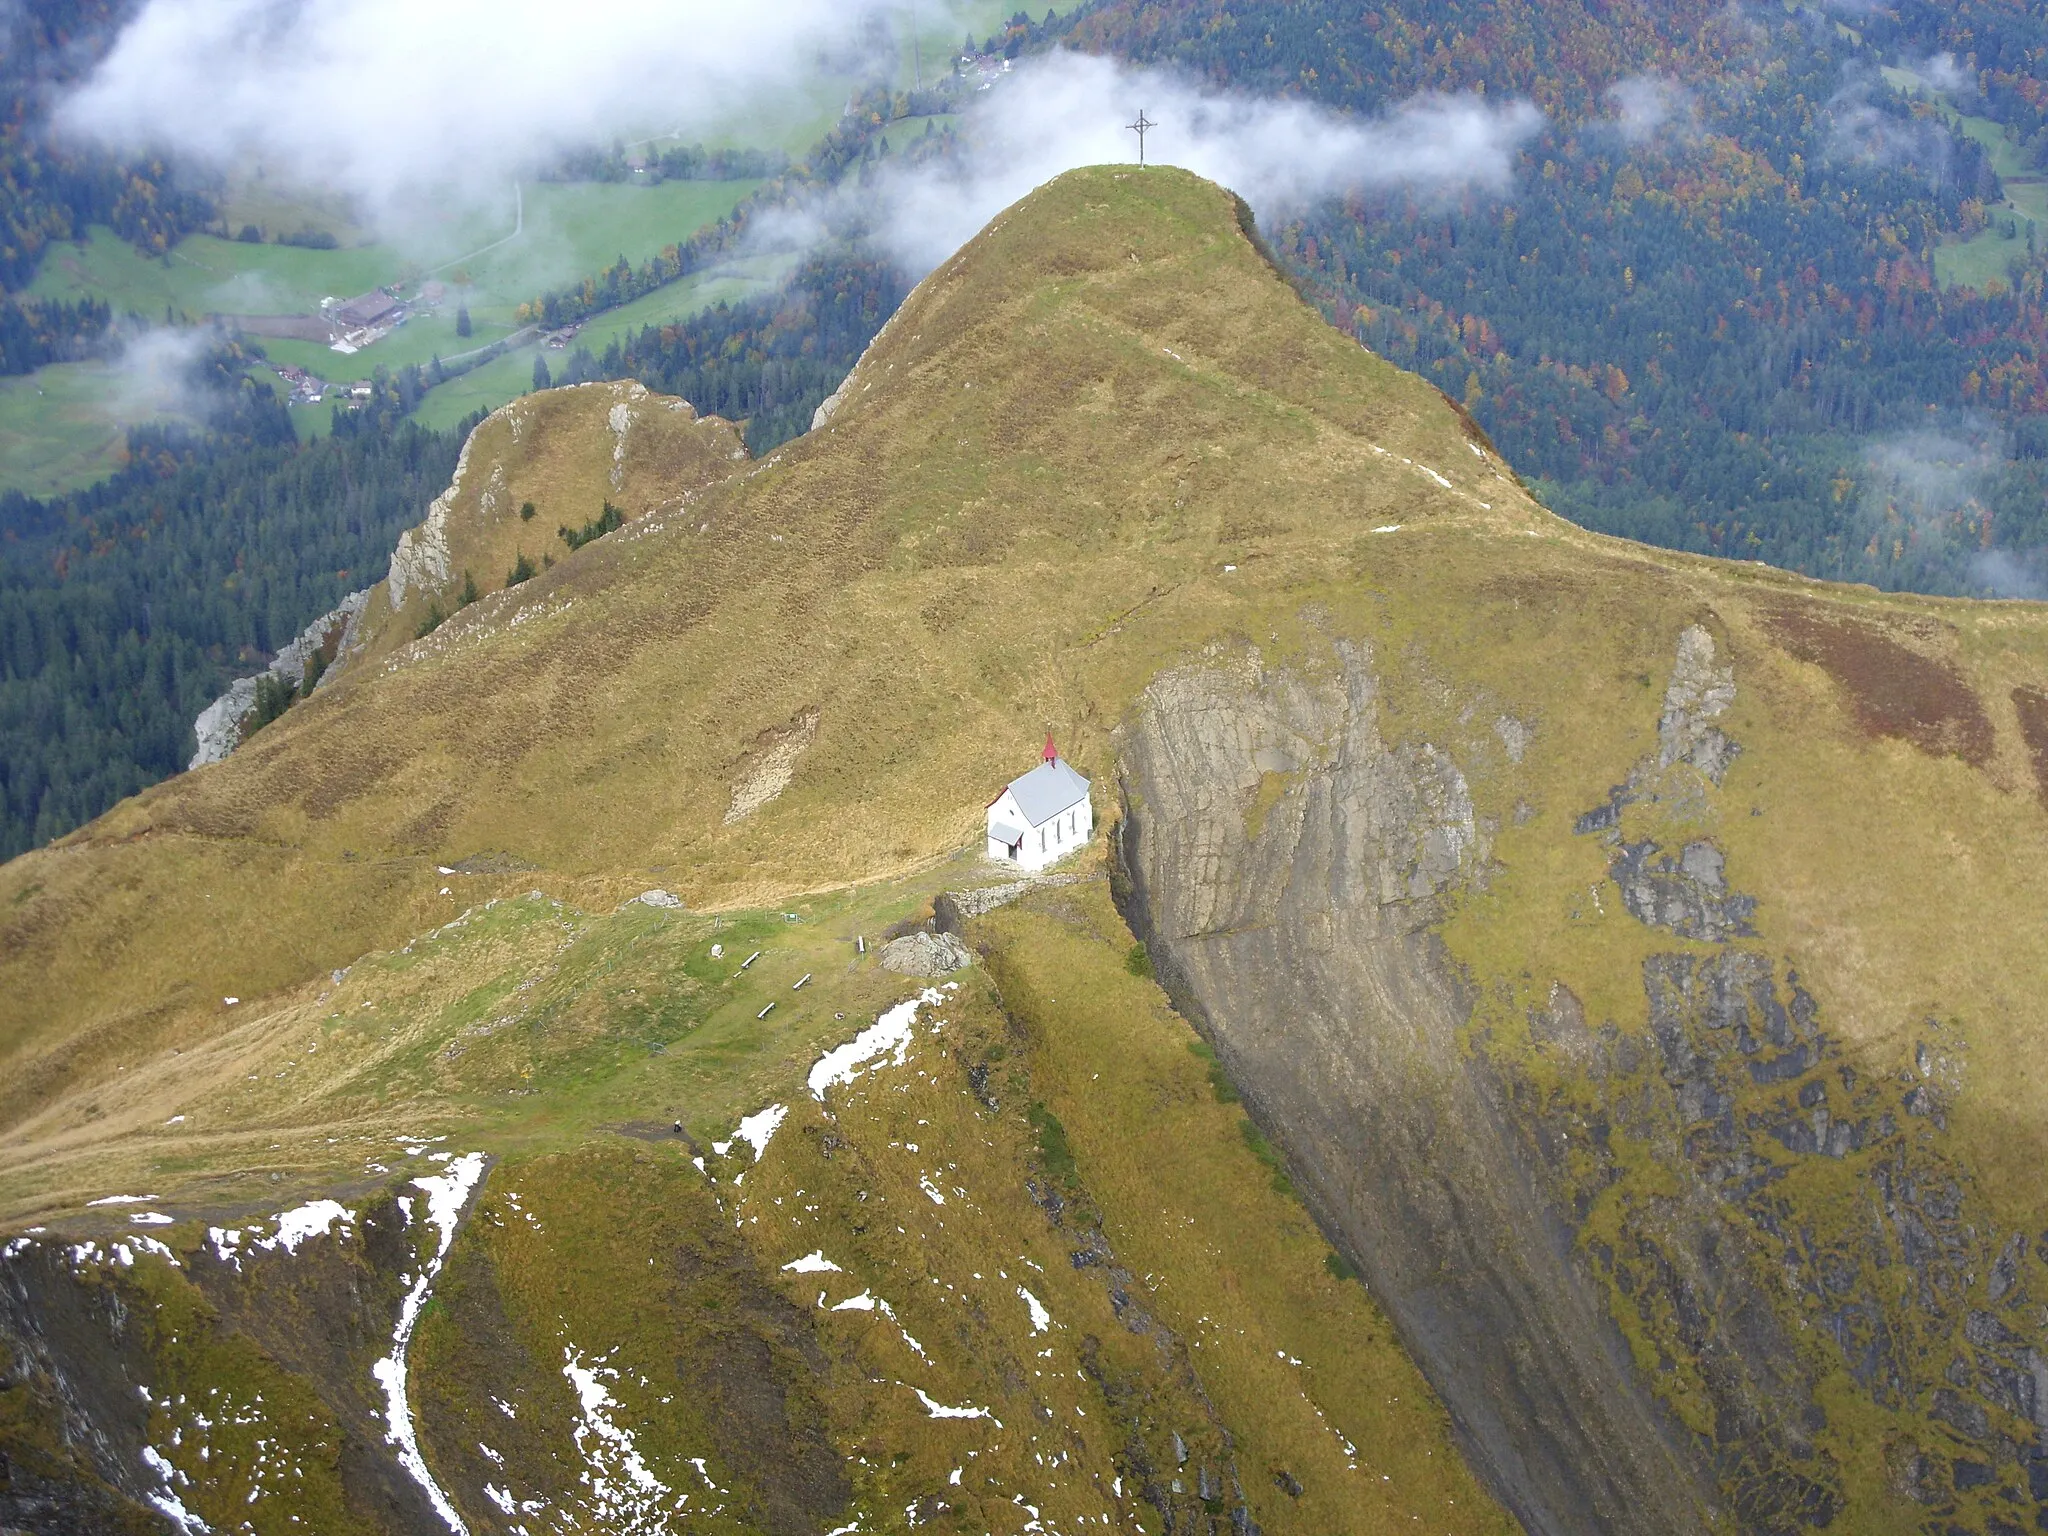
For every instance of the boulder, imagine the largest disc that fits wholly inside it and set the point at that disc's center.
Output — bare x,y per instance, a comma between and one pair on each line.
925,954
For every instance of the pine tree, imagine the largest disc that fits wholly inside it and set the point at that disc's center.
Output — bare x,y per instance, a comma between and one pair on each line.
541,379
462,327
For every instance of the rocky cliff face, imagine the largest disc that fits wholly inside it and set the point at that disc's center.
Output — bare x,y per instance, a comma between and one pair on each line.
223,723
1304,944
1683,1274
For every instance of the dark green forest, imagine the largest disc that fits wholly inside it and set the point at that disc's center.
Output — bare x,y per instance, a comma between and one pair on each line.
50,193
127,607
767,363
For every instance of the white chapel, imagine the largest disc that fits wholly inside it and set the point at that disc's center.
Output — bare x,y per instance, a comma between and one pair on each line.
1041,817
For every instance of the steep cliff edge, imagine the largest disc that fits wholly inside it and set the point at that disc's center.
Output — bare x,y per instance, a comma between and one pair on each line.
1308,950
1700,1263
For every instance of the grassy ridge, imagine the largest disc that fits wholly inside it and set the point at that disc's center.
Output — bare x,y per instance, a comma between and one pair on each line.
1106,440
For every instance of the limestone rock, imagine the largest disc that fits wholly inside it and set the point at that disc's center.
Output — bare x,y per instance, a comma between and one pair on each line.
1700,691
925,954
218,730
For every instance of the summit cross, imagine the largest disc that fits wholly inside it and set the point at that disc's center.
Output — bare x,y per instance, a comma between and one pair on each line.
1139,128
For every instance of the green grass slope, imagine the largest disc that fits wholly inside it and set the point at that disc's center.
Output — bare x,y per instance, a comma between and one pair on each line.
1104,443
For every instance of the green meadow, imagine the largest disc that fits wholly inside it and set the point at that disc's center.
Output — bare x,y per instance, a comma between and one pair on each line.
1989,255
62,427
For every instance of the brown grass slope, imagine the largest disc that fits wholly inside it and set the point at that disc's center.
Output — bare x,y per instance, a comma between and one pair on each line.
1029,502
1100,402
1106,442
544,463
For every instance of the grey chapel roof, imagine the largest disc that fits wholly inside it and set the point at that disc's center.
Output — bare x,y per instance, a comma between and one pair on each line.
1047,790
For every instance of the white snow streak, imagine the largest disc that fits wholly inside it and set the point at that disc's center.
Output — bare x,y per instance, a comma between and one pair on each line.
756,1129
942,1411
446,1194
890,1032
1040,1318
626,1497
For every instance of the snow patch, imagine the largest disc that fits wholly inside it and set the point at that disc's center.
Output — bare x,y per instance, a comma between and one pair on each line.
1040,1318
890,1032
151,1219
756,1129
314,1219
123,1200
167,1502
942,1411
812,1263
446,1195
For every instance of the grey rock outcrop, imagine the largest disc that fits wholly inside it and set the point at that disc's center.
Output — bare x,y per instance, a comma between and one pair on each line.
218,730
925,954
1782,1235
1700,691
220,726
1305,952
420,562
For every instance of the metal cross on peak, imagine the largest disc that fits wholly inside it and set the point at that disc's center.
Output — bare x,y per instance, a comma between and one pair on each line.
1139,128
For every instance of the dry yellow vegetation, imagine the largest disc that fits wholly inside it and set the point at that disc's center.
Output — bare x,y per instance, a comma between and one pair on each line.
1104,443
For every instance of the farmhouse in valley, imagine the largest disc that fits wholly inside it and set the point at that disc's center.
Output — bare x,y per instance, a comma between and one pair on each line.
1041,817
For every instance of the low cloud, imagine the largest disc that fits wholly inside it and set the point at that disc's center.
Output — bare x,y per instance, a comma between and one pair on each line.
1924,507
2002,573
158,373
1944,73
400,102
1930,475
1647,105
1067,109
1860,132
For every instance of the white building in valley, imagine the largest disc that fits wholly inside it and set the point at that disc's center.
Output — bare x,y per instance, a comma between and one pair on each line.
1041,817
